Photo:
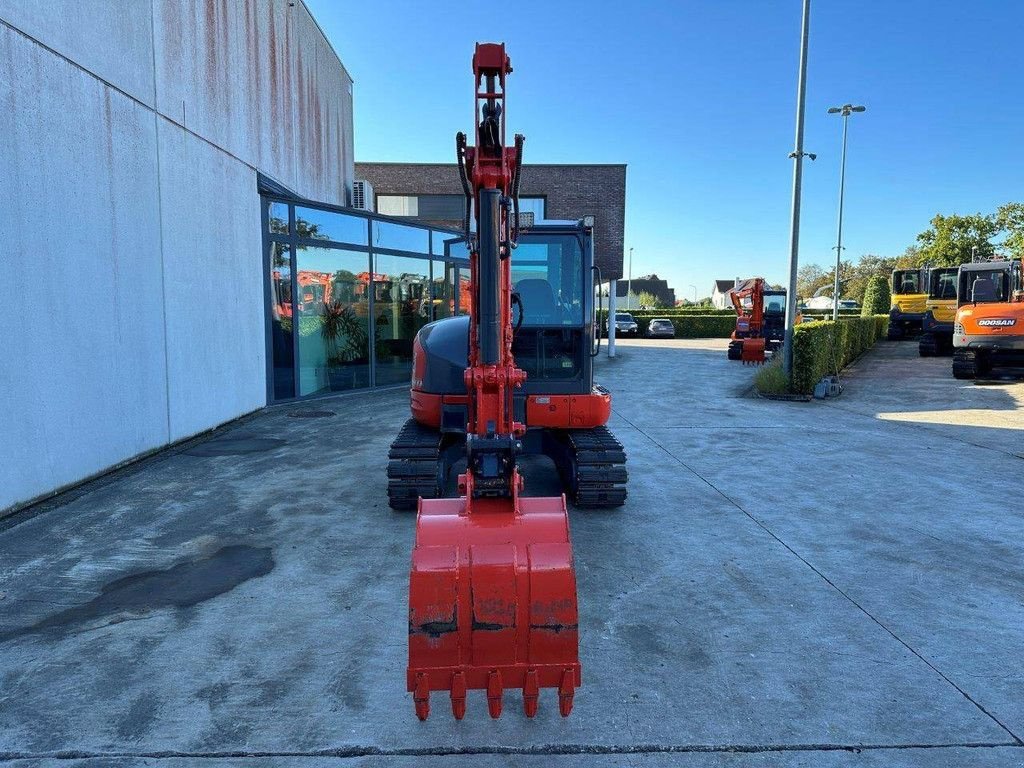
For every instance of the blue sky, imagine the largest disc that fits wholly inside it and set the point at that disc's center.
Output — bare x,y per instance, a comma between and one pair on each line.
698,98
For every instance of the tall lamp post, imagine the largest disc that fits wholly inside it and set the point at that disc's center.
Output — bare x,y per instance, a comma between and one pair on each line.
694,293
797,155
846,110
629,282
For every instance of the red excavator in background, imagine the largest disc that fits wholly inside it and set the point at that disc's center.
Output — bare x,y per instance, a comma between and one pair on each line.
760,320
492,588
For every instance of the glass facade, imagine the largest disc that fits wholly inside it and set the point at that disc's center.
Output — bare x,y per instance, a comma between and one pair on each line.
334,320
346,293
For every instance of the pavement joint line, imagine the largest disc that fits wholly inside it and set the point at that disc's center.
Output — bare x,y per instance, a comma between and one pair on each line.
1018,741
924,427
358,751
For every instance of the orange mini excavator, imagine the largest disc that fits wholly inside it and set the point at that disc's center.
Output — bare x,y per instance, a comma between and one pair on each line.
760,320
492,589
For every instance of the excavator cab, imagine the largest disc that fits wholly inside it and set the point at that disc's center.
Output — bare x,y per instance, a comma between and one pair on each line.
989,319
909,302
937,324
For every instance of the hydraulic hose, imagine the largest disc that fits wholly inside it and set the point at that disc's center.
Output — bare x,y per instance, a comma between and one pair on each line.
515,190
460,155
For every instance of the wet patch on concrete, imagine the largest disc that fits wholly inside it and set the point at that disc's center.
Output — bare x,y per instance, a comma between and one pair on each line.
235,446
180,586
307,414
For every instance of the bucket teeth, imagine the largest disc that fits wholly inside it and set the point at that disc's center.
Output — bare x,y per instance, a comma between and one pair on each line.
531,692
565,693
421,696
459,695
494,694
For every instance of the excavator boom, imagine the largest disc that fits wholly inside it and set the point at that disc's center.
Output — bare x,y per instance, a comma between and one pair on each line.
492,588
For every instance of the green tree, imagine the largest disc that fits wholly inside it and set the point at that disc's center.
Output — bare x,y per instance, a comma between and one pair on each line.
950,239
809,278
1010,219
876,296
648,300
860,274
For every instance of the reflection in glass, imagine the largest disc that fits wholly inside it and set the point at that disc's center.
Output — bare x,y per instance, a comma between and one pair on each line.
281,313
457,249
278,218
443,284
437,239
465,295
401,306
333,312
314,224
399,237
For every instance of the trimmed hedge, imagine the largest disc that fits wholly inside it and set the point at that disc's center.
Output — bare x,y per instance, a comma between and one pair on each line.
823,348
877,299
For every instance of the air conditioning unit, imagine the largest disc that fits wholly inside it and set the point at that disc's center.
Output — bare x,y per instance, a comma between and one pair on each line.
362,195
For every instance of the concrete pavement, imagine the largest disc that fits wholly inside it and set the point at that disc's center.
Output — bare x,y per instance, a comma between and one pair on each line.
832,583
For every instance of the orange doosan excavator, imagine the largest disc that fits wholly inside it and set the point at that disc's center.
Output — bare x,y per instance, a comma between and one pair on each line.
988,331
492,589
760,320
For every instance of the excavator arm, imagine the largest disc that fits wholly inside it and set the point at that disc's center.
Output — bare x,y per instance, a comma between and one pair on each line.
492,587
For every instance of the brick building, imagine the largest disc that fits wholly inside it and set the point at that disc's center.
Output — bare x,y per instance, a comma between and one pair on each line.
431,193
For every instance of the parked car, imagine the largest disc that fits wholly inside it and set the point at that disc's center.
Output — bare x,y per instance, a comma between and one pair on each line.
625,325
660,328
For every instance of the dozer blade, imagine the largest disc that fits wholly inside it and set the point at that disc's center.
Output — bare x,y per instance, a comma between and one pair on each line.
753,352
492,603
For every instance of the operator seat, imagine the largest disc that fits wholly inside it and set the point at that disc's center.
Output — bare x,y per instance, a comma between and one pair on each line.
775,307
539,305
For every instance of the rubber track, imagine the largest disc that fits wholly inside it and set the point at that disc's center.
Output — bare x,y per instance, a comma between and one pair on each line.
600,462
965,365
412,466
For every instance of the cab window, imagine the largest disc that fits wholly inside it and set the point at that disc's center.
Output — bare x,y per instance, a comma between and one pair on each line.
906,281
547,272
984,286
943,284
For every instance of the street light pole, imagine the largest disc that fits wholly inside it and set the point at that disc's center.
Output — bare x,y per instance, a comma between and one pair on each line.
798,167
846,110
694,293
629,282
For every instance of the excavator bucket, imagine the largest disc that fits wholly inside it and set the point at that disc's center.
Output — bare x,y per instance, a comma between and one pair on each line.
753,352
492,603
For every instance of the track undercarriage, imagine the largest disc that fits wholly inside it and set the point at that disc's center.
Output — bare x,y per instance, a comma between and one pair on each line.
591,464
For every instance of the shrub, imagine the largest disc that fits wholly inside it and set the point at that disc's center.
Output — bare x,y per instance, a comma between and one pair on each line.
771,379
822,348
701,326
876,297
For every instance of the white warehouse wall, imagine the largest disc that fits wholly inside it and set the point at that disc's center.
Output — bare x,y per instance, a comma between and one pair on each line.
133,136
